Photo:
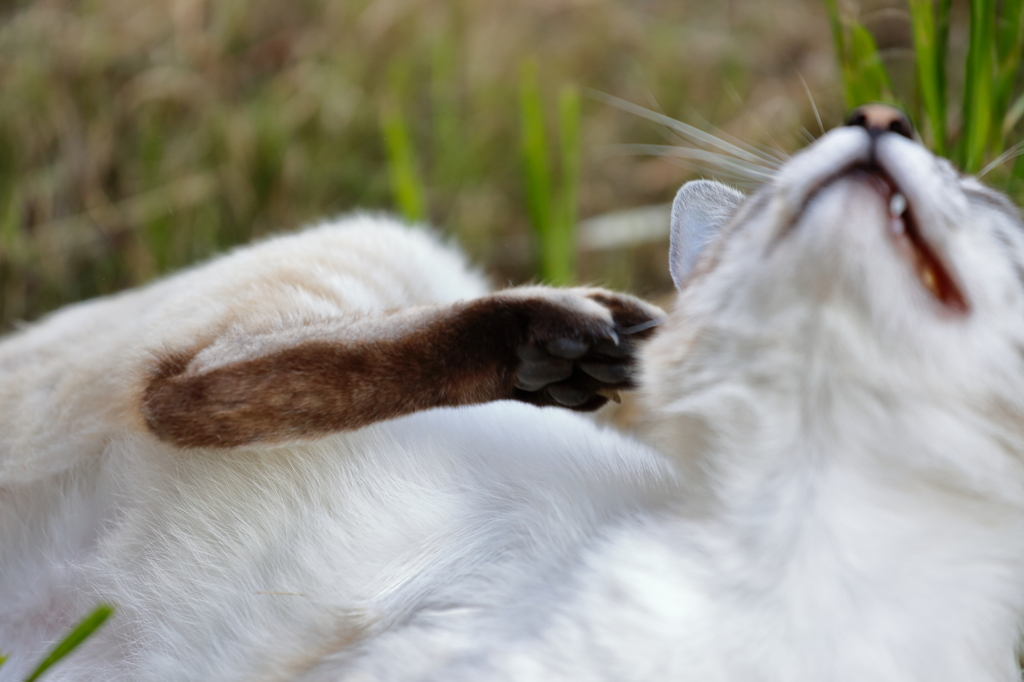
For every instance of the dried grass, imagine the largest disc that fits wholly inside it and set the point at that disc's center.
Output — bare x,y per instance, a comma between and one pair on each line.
137,136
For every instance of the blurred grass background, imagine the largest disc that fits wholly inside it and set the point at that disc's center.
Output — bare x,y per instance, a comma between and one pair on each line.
958,75
138,136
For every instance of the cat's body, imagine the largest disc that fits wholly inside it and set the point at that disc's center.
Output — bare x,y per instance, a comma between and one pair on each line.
840,390
256,561
841,386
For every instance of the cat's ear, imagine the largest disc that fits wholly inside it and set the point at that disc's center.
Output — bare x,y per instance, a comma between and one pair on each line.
700,209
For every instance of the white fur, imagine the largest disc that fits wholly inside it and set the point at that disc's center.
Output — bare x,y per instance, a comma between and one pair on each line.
244,564
851,504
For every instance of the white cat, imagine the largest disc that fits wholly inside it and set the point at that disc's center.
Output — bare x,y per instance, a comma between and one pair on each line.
841,387
192,453
840,391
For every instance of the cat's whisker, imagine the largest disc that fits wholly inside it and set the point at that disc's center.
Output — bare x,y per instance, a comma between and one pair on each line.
749,171
652,101
769,156
689,133
781,154
1011,153
814,106
665,131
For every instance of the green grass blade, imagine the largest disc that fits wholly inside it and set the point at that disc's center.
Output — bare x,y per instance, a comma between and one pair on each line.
405,181
930,71
854,89
1013,115
562,262
835,22
870,80
1009,29
1010,47
941,46
449,144
534,149
3,659
1017,173
978,86
85,627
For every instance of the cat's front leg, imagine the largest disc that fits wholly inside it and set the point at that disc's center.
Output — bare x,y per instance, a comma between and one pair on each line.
567,347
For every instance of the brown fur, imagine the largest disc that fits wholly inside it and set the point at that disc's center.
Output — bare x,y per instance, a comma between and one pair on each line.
465,354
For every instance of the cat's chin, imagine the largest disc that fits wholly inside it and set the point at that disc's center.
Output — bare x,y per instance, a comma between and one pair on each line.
898,220
874,217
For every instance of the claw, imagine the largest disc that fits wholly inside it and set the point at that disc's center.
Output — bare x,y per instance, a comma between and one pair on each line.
642,327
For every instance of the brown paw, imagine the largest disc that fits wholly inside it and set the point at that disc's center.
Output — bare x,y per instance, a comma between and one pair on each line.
580,346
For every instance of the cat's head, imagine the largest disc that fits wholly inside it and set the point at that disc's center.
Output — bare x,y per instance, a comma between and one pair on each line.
868,291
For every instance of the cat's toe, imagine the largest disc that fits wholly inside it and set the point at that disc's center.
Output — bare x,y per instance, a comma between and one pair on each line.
537,371
623,347
613,373
568,348
568,395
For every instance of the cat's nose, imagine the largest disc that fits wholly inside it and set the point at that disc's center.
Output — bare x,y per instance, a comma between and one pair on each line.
881,118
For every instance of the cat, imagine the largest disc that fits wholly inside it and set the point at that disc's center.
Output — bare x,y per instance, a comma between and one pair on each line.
840,390
837,490
222,454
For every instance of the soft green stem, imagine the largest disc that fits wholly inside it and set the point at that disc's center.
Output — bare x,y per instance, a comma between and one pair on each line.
569,118
1010,49
978,85
405,181
930,71
552,212
534,149
85,627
